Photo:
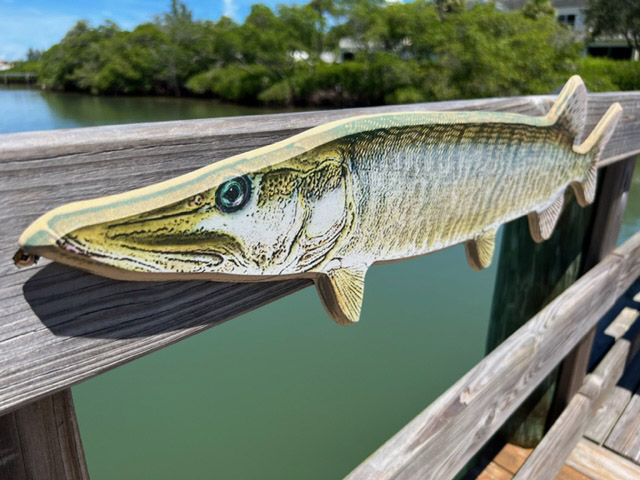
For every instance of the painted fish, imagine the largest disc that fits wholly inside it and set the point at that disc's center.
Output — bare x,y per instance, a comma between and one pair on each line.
330,202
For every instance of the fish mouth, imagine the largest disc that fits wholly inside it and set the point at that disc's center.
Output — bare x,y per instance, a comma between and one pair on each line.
145,257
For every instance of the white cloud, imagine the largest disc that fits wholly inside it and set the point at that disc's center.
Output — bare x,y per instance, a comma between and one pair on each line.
229,9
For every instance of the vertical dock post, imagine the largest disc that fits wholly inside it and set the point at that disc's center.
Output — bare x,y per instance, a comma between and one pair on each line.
41,441
530,275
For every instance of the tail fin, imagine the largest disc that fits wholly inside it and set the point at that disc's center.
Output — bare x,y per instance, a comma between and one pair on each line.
570,108
594,145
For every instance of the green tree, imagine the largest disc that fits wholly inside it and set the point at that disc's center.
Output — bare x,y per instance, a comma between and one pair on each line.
538,8
72,63
615,17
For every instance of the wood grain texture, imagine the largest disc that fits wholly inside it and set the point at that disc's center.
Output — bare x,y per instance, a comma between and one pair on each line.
470,412
565,433
545,461
599,463
551,453
625,435
511,457
610,410
507,462
41,441
59,327
493,471
630,252
568,473
622,323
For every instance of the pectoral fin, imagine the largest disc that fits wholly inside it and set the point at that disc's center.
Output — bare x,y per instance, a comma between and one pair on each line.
541,224
480,250
341,291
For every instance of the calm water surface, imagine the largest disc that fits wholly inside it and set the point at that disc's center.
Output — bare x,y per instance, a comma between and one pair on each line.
281,392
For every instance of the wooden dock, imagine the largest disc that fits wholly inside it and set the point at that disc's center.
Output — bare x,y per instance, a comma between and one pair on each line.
18,77
610,445
60,326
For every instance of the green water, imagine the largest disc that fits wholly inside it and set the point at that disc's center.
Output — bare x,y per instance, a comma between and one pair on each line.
281,392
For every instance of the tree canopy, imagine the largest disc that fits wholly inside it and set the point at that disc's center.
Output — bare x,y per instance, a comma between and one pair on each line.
615,18
402,52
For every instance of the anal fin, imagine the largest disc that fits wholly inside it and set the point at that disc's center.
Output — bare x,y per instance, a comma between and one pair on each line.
341,291
541,224
480,250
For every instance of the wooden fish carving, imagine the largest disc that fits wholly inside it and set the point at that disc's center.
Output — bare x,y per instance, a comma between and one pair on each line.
330,202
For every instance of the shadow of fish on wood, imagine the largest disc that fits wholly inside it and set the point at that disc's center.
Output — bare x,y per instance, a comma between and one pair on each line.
332,201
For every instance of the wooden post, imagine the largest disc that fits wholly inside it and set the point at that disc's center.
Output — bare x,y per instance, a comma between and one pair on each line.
41,441
530,275
609,208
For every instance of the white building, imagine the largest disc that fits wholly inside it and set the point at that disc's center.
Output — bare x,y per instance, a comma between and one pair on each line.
571,13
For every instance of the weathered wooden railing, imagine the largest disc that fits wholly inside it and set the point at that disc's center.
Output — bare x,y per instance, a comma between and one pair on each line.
60,326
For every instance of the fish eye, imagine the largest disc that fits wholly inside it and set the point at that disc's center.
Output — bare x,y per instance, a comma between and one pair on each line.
233,194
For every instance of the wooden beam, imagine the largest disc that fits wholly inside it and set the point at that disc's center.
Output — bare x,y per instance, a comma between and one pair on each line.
552,452
41,441
625,435
598,463
545,461
608,413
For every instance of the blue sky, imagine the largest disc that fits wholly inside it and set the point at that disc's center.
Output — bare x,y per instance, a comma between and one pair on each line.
41,23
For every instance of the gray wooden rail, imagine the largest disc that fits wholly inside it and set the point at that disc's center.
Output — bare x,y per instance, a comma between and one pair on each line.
59,326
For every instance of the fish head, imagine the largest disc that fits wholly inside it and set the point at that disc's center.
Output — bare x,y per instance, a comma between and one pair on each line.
251,221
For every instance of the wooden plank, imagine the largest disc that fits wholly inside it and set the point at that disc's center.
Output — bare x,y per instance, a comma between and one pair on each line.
625,435
511,457
630,252
622,322
609,208
42,441
568,473
492,471
599,463
442,438
608,413
545,461
83,324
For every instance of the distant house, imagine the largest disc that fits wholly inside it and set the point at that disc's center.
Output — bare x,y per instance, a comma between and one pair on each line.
571,13
5,65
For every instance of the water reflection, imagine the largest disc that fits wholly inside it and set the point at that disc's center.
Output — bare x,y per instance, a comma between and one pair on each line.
26,109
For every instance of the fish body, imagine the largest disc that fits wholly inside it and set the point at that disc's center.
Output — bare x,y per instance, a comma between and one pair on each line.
330,202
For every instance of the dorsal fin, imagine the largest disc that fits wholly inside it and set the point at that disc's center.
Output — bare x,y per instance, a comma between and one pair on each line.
341,291
570,108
